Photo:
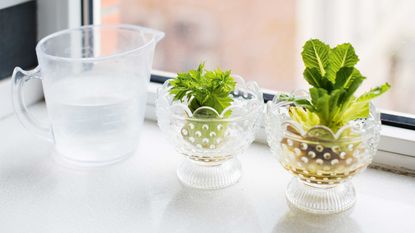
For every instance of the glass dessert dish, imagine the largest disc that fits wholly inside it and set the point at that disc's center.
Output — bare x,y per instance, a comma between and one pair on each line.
210,141
323,162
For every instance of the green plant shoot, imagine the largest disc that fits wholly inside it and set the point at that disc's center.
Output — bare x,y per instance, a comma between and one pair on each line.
334,79
204,88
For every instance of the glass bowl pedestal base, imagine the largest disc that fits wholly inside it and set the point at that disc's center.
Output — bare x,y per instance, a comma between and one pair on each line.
209,176
321,199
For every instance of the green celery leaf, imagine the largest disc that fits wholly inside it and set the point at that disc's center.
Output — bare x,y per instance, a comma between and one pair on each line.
285,97
204,88
342,55
336,107
334,100
355,111
316,55
359,108
298,101
351,86
334,81
314,78
306,118
342,77
321,102
373,93
304,103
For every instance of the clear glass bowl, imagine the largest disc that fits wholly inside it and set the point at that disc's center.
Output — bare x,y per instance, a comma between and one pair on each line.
321,161
208,140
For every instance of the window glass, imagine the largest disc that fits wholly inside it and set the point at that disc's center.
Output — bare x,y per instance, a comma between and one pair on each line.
261,40
18,37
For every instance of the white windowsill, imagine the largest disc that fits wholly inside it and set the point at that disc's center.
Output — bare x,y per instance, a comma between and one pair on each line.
32,93
142,194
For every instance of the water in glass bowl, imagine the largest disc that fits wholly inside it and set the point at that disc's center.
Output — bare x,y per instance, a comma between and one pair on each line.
96,118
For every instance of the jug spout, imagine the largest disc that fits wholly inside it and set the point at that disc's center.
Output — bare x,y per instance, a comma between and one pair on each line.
158,35
153,34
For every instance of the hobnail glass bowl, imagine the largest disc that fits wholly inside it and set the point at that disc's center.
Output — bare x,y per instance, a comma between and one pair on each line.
208,140
323,162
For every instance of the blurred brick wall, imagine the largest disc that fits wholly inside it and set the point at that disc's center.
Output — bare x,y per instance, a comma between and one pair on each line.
255,39
110,12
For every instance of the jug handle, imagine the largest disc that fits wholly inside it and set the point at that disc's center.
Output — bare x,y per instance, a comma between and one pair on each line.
19,78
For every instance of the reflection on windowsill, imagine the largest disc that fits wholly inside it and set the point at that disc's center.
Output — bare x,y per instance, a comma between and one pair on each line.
295,221
191,209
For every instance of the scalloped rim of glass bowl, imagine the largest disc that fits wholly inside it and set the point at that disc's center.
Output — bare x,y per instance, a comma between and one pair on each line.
356,126
250,87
